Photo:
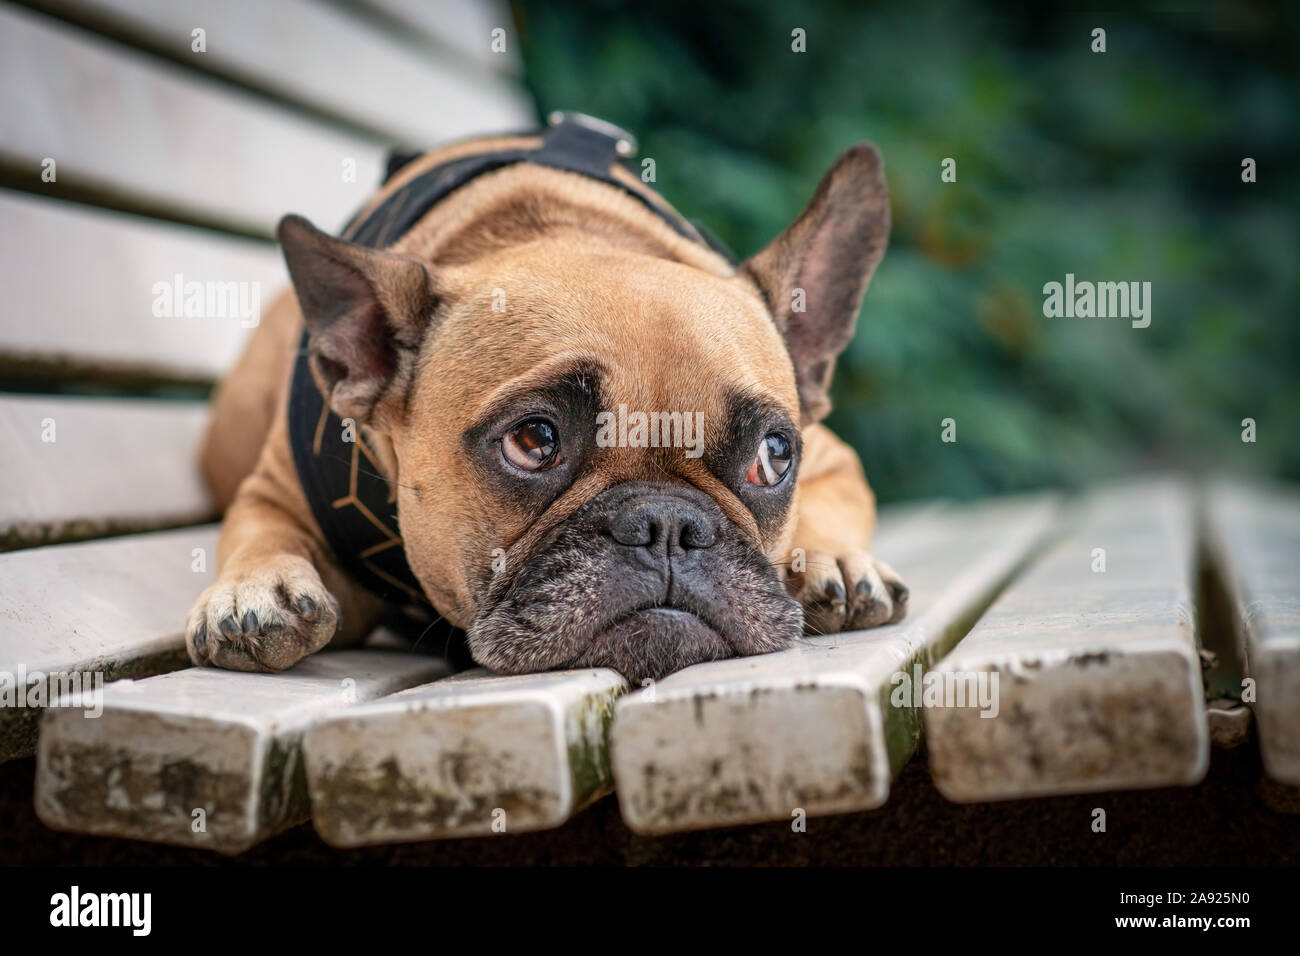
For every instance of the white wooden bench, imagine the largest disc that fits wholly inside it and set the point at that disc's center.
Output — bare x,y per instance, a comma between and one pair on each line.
172,162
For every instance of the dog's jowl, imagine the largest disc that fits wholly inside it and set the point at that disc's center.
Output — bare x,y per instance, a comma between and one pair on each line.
428,417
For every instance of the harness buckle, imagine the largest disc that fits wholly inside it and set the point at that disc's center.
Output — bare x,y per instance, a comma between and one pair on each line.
625,144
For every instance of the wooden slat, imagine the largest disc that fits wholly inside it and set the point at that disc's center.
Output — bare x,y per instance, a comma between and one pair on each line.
125,123
1254,542
105,319
812,729
113,466
299,50
1099,676
202,739
474,754
114,608
462,25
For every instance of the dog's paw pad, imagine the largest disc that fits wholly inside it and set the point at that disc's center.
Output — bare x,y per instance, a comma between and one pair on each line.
263,618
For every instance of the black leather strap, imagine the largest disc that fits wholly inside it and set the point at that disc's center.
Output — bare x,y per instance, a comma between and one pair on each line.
568,146
353,505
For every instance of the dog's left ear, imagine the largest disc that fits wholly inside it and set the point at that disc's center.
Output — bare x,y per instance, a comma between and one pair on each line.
814,274
366,312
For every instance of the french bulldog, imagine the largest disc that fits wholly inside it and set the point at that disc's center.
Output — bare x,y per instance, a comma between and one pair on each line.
493,359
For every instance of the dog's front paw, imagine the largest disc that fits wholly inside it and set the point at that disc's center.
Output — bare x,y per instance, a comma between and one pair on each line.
262,618
848,592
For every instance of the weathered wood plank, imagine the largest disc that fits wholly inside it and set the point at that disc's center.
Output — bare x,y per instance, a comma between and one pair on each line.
813,729
1254,543
104,609
107,318
473,754
462,25
118,121
1098,674
77,467
296,49
202,757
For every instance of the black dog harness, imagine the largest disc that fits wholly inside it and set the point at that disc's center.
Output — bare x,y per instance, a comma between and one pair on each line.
354,506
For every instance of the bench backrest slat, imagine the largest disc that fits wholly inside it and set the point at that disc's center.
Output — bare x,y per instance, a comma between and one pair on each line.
155,135
332,62
82,467
92,294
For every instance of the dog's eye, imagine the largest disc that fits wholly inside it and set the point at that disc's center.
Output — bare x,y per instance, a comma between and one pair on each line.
532,445
772,461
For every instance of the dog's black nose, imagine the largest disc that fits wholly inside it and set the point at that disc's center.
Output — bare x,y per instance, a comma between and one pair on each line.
662,523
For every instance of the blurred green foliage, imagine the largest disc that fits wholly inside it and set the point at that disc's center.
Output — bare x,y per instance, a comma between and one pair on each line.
1119,166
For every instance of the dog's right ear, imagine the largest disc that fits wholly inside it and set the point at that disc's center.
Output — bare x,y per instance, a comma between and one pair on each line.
365,312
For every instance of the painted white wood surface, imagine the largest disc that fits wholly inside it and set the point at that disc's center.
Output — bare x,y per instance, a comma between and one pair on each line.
1254,539
169,136
321,55
81,288
465,26
202,757
114,607
474,754
111,466
1099,676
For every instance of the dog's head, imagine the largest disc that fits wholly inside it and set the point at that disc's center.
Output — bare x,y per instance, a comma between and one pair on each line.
595,444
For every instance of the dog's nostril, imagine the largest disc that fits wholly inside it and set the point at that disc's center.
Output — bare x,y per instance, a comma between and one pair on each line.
696,533
634,528
668,522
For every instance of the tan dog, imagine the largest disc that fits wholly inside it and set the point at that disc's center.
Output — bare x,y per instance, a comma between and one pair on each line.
476,354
